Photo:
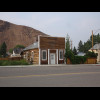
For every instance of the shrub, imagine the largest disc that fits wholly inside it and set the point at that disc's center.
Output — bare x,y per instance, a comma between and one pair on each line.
91,54
23,62
13,62
69,54
80,59
75,59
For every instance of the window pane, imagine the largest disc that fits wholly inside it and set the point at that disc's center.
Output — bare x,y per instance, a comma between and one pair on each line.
61,54
44,54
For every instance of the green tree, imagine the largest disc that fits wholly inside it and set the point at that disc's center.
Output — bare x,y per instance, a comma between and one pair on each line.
67,42
0,50
87,46
67,46
81,46
75,51
68,52
3,49
17,46
91,54
96,39
11,50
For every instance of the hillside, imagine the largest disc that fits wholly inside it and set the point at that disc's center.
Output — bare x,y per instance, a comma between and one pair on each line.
14,34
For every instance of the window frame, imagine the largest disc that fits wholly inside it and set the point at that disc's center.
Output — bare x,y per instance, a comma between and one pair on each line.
42,54
59,55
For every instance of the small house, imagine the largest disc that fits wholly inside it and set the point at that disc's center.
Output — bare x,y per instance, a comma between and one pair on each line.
16,52
46,50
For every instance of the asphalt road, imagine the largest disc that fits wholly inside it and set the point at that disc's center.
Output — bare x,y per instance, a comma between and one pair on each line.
51,76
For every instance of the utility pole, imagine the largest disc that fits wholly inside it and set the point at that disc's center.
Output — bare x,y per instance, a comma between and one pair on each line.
92,39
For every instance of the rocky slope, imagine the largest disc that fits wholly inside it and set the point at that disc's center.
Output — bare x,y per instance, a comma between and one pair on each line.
17,34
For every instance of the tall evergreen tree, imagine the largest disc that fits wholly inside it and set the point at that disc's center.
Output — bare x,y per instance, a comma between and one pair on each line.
81,46
0,50
75,51
3,49
67,42
88,44
67,46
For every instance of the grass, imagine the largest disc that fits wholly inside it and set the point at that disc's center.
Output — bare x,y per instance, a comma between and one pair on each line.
13,62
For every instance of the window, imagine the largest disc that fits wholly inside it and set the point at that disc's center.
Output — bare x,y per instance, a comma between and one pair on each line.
60,54
44,55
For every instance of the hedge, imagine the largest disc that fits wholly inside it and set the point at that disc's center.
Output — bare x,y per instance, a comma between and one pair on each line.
8,63
79,59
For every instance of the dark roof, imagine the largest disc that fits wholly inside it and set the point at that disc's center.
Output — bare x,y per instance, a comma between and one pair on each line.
17,50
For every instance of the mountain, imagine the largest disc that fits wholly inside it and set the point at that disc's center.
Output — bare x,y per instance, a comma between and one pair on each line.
14,34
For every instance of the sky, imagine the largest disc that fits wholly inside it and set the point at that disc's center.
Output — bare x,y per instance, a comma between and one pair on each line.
78,25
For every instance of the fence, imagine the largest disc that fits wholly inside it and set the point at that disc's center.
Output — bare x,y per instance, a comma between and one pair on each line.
88,61
91,61
13,58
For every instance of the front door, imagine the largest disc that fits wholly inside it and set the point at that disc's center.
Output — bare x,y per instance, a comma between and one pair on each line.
52,58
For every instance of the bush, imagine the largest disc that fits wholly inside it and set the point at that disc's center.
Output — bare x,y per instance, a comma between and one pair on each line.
75,59
14,62
69,54
80,59
91,54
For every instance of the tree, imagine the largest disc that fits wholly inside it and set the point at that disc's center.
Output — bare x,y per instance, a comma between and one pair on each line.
81,46
68,53
19,46
67,42
16,47
0,50
67,47
96,39
91,54
74,51
3,49
87,46
11,50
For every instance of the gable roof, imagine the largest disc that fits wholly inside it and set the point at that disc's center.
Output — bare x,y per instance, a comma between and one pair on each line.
32,46
96,46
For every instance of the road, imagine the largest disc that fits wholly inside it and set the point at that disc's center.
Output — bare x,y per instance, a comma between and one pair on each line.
51,76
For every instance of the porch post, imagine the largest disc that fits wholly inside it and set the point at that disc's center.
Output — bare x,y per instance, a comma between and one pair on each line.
39,50
39,56
64,57
57,55
48,55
